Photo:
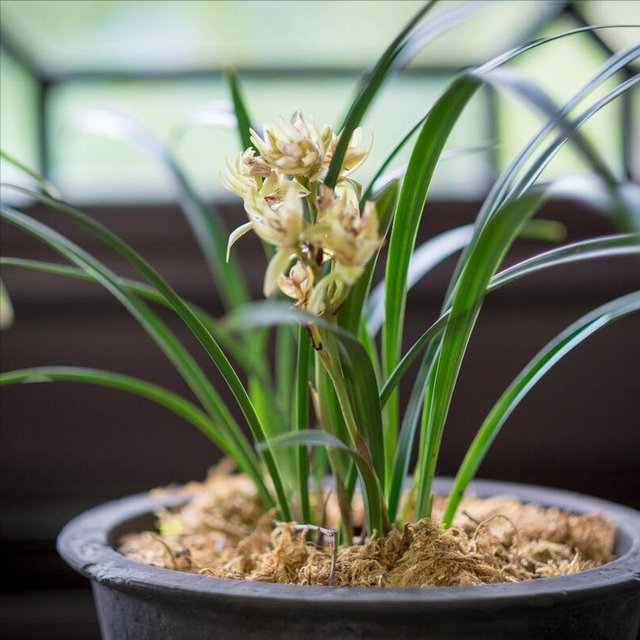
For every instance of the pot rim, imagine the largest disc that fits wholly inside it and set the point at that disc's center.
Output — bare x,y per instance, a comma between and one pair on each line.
84,544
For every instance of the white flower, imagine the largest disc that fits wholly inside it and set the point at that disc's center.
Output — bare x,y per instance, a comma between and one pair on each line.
349,237
280,225
272,178
356,153
296,148
273,206
298,284
239,179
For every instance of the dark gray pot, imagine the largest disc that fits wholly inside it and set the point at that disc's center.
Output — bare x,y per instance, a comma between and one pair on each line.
146,603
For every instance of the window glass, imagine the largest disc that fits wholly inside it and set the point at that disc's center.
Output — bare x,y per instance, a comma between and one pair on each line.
94,169
18,122
561,68
68,35
614,12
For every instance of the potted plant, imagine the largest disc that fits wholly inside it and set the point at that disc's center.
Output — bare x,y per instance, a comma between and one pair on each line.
432,569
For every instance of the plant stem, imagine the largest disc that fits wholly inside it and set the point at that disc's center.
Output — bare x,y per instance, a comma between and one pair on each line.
331,360
335,458
302,420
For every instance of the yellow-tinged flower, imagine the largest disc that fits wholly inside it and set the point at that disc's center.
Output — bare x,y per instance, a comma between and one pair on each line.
238,179
356,153
280,225
273,206
298,284
348,236
295,148
291,159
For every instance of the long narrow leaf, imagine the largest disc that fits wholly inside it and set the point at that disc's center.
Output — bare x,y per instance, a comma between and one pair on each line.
498,193
420,170
437,249
550,355
182,309
543,160
171,401
301,423
604,247
424,158
354,358
240,109
206,224
490,249
237,351
158,331
372,495
44,184
613,64
367,94
499,189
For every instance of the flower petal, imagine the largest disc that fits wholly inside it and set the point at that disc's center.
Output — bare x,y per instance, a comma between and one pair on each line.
277,265
236,234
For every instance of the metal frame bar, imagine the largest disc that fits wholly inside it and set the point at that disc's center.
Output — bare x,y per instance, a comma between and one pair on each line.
626,121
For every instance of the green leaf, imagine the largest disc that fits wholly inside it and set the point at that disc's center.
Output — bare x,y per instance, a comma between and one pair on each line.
542,161
437,126
604,247
500,188
237,351
424,158
240,108
424,259
403,48
437,249
372,494
175,403
427,256
550,355
44,184
368,93
503,189
354,359
6,308
532,94
156,329
206,224
301,420
486,256
615,63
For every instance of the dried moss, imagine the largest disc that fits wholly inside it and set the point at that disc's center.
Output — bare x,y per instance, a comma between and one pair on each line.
223,532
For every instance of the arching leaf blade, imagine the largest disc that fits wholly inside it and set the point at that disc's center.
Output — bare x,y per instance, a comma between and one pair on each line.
146,318
542,363
163,397
372,495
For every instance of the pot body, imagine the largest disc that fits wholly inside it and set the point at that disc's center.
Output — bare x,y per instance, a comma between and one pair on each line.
139,602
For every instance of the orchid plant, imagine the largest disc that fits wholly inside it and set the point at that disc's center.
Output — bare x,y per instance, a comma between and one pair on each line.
334,406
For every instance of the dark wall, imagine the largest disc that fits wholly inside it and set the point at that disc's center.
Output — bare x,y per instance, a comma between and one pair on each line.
66,447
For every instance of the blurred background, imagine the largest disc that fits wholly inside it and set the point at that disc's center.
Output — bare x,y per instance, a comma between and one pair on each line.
65,448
